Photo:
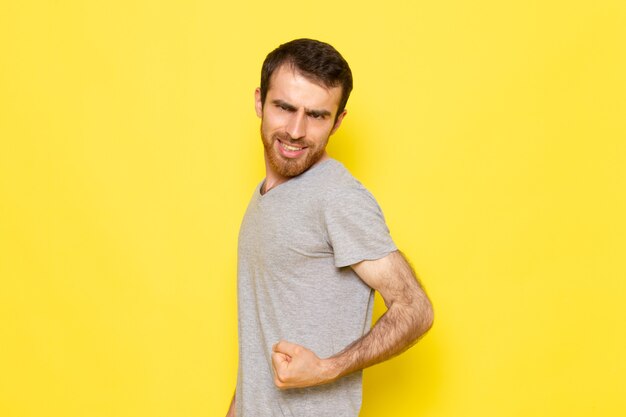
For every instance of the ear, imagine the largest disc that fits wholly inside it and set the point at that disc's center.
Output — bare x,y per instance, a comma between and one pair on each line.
258,104
338,122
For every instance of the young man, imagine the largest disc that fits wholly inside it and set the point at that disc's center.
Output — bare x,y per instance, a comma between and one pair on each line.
313,247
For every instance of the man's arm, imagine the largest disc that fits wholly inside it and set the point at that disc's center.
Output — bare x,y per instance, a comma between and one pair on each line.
409,315
231,409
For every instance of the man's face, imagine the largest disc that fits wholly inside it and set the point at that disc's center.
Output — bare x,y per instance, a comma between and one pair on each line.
296,121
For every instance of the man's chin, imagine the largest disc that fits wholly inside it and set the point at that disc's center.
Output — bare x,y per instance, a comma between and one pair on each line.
289,169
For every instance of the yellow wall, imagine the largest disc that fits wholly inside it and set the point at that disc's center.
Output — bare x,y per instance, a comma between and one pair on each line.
493,134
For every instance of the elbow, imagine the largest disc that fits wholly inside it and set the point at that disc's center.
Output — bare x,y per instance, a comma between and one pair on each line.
424,316
429,316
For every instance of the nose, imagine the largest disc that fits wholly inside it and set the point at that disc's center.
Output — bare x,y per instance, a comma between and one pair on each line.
296,127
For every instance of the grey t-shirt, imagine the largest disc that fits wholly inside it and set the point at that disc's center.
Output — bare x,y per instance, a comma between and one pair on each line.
296,244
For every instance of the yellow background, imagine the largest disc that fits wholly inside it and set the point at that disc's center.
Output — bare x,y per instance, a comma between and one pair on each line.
492,133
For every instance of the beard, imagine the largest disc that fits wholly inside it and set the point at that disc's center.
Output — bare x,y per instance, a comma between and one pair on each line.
290,167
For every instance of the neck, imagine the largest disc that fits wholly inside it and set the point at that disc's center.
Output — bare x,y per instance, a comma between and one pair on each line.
271,182
272,178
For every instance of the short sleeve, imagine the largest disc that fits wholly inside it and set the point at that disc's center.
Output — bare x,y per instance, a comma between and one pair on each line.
356,227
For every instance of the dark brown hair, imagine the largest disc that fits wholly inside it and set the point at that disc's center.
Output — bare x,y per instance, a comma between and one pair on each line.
316,60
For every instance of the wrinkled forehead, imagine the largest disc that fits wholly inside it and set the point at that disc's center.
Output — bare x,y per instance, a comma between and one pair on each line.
290,68
297,87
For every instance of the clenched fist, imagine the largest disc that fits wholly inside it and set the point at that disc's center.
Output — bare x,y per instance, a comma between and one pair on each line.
297,367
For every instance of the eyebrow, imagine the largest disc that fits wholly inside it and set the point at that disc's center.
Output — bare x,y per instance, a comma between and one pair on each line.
316,113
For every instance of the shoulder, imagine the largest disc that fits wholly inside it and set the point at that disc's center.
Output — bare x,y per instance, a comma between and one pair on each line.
339,188
354,223
330,187
335,180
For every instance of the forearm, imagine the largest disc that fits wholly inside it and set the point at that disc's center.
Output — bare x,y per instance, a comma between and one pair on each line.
397,330
409,315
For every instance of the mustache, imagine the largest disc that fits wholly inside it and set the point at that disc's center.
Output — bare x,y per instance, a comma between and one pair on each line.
287,139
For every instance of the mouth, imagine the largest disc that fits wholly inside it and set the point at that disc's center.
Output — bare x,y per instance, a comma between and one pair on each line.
290,151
